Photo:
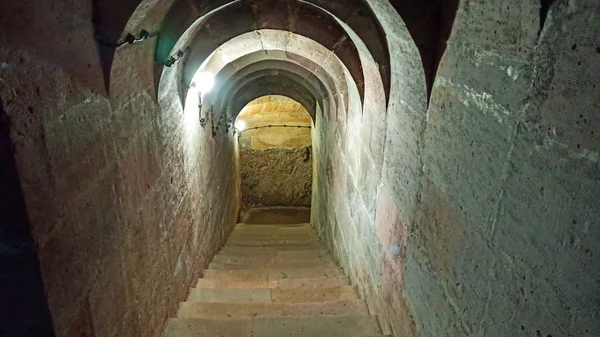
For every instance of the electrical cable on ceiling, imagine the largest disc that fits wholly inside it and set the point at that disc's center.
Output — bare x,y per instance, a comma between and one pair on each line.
129,39
276,126
173,59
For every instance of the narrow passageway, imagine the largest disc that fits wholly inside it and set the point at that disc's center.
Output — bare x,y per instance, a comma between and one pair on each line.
273,280
445,153
274,135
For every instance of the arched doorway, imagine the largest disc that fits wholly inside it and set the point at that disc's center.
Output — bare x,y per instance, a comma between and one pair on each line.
274,136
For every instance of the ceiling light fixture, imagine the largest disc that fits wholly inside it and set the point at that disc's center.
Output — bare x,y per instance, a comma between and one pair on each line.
240,126
202,83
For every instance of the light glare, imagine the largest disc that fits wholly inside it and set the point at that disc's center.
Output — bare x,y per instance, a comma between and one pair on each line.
240,125
203,82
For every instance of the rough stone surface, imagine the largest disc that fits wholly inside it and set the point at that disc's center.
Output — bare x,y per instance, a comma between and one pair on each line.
25,308
312,307
276,177
275,215
121,218
274,122
473,224
458,191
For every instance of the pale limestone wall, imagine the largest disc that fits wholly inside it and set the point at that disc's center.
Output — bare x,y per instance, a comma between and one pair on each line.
275,110
276,137
126,200
482,219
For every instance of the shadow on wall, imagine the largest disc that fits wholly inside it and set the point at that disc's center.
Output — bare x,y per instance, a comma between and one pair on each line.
430,24
108,28
25,310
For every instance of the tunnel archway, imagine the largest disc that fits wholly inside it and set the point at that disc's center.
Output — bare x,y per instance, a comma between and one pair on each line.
444,138
274,136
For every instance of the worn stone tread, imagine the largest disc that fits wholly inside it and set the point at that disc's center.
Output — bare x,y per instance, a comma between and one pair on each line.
307,326
330,308
316,326
272,259
269,281
275,309
273,265
282,283
251,226
237,275
201,327
244,259
272,274
312,282
299,273
282,246
228,284
221,295
296,295
267,295
273,242
229,310
249,251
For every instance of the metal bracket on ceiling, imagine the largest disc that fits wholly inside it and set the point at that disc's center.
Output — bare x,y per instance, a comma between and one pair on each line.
173,59
129,39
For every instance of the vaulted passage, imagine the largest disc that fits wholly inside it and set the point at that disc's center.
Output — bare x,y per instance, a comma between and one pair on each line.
276,167
443,157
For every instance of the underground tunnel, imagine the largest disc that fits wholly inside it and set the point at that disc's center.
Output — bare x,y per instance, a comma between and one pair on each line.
191,168
275,153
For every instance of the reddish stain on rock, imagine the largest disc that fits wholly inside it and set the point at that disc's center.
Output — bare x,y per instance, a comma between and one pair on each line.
392,231
441,225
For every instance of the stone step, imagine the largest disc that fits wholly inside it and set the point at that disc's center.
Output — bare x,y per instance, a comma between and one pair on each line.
299,295
333,308
317,282
276,215
221,295
274,242
303,273
229,310
237,275
309,326
297,233
242,310
232,284
273,227
272,274
275,232
249,251
269,281
208,327
274,247
301,255
244,259
292,256
282,284
316,326
268,295
272,265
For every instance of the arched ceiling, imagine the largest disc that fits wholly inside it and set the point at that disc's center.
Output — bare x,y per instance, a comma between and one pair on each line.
201,27
315,19
274,109
245,68
316,51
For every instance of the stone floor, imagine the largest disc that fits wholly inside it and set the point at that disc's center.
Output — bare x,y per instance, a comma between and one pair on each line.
273,280
275,215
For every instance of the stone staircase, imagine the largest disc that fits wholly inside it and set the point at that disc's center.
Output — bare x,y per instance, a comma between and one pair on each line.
273,281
